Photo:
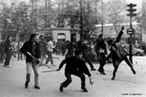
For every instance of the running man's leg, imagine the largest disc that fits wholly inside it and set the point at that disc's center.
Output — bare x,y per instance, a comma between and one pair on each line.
129,64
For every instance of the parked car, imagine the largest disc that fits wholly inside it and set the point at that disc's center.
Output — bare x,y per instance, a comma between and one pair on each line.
135,51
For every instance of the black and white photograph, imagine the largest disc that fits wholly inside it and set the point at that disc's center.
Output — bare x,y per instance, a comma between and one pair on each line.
72,48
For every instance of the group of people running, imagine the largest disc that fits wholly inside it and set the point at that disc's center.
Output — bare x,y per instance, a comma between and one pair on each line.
76,57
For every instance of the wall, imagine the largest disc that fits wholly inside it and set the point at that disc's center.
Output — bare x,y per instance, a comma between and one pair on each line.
55,33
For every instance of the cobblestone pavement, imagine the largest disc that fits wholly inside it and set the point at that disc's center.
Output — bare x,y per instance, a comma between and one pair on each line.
125,85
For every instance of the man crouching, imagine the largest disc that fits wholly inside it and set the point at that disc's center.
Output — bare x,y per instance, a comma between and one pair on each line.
75,66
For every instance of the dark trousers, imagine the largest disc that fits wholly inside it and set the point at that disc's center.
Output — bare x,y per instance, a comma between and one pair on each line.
7,58
116,63
69,79
49,57
102,62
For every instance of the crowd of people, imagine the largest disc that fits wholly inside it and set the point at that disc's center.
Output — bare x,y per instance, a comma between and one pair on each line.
9,48
37,49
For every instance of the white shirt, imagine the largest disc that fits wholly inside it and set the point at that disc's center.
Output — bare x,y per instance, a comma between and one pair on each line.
50,46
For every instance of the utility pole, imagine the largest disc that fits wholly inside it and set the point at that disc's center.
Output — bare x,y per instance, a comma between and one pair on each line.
81,22
130,30
102,18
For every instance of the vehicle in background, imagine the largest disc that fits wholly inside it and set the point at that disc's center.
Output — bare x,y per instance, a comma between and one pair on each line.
135,51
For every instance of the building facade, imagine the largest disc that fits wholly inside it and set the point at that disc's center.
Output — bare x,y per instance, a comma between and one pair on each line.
62,34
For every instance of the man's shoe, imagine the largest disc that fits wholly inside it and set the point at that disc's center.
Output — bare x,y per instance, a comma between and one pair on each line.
36,87
26,84
113,78
134,72
61,88
84,89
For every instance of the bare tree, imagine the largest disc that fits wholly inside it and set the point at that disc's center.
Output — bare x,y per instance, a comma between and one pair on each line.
115,10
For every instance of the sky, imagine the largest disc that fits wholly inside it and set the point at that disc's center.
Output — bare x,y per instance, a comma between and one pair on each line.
138,2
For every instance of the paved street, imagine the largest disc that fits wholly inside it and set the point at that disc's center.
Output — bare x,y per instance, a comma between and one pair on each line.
125,85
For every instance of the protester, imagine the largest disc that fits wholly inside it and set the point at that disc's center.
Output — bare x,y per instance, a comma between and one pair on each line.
118,54
8,51
100,49
75,66
69,49
49,51
29,49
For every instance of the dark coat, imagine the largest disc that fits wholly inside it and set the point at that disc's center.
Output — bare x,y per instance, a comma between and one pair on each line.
70,49
117,50
43,49
100,47
7,45
27,47
74,64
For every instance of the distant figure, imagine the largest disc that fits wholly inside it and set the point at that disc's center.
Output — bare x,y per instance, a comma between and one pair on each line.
42,44
100,49
75,66
31,48
2,51
8,51
49,51
84,49
118,54
136,44
69,49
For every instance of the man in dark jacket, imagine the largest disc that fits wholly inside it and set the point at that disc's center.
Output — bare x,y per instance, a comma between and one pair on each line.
8,51
75,66
100,49
69,47
118,54
29,49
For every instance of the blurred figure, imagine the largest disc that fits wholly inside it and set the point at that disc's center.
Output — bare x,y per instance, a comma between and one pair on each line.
84,49
14,45
100,48
42,44
8,51
49,51
69,49
136,44
2,52
31,48
20,54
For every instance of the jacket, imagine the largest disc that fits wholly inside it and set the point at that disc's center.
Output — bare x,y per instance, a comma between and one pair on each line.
116,49
7,45
74,64
27,47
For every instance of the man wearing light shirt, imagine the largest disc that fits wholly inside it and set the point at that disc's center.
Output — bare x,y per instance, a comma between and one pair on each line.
49,52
